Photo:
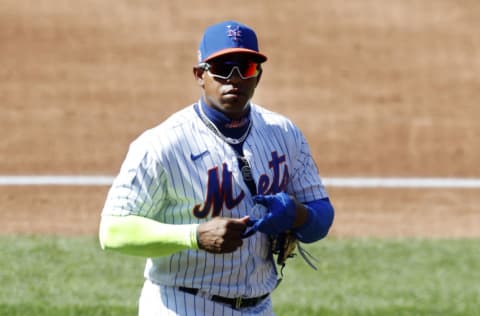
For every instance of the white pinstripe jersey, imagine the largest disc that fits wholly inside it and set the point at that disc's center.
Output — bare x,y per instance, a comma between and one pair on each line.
180,172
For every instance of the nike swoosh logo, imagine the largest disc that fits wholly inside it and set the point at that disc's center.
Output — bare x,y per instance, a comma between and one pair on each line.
195,157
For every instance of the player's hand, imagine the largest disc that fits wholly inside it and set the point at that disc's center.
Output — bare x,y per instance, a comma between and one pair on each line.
280,217
221,234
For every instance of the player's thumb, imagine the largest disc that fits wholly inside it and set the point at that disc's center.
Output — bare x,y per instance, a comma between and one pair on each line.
252,230
240,223
245,220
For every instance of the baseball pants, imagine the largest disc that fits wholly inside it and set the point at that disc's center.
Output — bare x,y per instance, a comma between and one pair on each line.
158,300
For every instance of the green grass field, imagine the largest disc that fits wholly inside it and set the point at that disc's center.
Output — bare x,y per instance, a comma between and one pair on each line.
71,276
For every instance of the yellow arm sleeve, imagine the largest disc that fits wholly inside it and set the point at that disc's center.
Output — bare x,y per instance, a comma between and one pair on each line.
140,236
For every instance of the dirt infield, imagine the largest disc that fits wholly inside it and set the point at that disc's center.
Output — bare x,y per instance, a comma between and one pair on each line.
372,212
379,88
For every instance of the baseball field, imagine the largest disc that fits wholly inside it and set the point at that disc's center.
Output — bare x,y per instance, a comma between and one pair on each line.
381,89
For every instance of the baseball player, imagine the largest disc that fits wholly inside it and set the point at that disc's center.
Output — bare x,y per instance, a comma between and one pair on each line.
201,194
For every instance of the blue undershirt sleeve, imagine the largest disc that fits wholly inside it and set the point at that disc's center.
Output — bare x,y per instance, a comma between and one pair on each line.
320,219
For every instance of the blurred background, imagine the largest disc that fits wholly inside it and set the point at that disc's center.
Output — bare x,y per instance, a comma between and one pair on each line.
380,89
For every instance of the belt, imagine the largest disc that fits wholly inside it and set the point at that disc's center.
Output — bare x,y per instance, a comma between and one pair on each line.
236,303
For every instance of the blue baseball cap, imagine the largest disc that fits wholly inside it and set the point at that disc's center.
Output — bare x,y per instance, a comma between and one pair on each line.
226,38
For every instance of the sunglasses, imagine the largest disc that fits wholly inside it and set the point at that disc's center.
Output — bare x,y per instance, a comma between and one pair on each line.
224,69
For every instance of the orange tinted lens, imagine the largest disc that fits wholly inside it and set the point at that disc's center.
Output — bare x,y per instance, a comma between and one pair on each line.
250,70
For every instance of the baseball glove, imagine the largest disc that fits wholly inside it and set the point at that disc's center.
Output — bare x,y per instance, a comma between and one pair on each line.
284,246
279,210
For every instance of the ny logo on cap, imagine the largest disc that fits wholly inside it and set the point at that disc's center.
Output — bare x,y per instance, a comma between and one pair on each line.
234,32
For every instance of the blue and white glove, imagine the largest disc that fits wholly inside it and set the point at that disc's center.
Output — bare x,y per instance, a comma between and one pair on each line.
280,217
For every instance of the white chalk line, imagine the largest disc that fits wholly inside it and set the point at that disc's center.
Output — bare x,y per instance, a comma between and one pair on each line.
345,182
94,180
403,182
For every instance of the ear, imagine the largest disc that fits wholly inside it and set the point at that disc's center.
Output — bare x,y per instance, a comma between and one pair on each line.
198,73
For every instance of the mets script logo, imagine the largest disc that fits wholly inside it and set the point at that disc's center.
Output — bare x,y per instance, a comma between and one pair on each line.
234,32
220,189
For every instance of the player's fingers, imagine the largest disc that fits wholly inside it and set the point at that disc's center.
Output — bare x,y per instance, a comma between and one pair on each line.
249,232
245,219
231,244
239,224
251,221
